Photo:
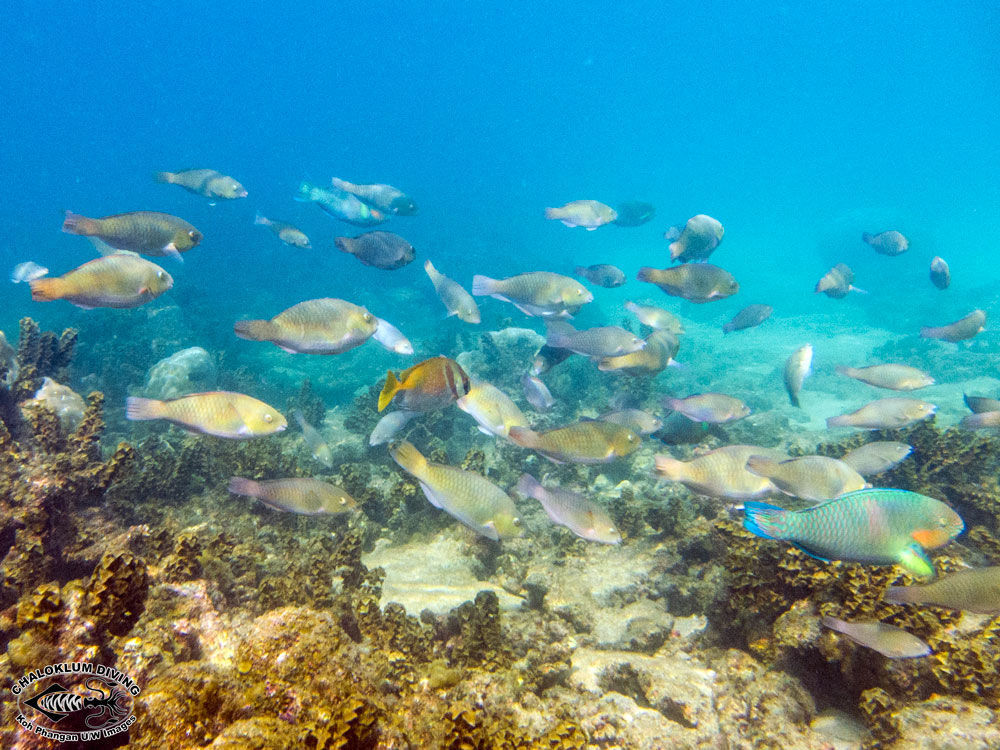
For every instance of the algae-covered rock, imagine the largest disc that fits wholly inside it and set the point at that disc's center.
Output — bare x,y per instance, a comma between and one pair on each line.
187,371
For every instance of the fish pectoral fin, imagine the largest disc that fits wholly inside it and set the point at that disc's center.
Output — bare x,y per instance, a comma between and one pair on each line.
591,229
431,496
489,530
171,250
915,560
813,555
103,247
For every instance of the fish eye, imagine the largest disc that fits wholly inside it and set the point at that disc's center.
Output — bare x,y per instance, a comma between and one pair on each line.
268,417
192,234
160,274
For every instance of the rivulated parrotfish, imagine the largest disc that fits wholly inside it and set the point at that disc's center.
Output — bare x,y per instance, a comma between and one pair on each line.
894,377
341,205
317,445
431,384
891,242
658,351
837,282
873,526
656,317
888,640
536,392
492,409
588,214
144,232
457,301
813,478
579,443
876,457
385,198
720,473
308,497
697,282
391,338
584,518
714,408
973,590
539,293
960,330
378,249
940,273
207,183
885,414
749,317
602,274
465,495
597,343
219,413
287,233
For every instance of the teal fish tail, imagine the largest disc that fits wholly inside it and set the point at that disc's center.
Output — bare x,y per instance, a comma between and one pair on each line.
763,519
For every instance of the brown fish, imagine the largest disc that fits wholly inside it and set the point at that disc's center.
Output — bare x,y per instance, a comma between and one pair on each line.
885,414
144,232
876,457
973,590
887,243
602,274
385,198
979,404
120,280
696,240
697,282
893,377
431,384
458,301
539,293
960,330
309,497
287,233
749,317
316,326
581,443
657,354
984,420
205,182
940,273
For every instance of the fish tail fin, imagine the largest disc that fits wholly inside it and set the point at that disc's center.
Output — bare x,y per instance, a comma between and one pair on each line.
761,465
163,177
259,218
252,330
676,250
866,237
340,184
139,409
527,485
77,224
673,233
389,390
305,193
46,289
431,271
554,213
838,421
579,271
669,467
645,273
843,370
763,519
242,486
483,285
300,418
558,333
523,436
901,595
927,332
794,398
408,457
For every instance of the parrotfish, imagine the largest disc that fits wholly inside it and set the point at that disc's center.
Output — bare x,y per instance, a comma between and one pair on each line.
885,414
537,293
308,497
714,408
316,326
656,317
27,271
465,495
602,274
144,232
492,409
808,477
720,473
891,242
596,343
317,445
548,357
973,590
960,330
583,517
749,317
431,384
798,367
120,280
940,273
536,392
390,425
656,355
219,413
385,198
639,421
391,338
888,640
696,282
287,233
696,240
837,282
979,404
341,205
893,377
634,213
581,443
876,457
589,214
207,183
456,300
872,526
378,249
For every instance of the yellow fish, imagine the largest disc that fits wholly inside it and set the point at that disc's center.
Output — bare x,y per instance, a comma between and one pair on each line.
120,280
316,326
581,443
219,413
472,499
309,497
431,384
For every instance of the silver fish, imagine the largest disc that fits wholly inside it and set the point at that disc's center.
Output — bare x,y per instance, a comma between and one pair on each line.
317,445
536,392
888,640
391,338
584,518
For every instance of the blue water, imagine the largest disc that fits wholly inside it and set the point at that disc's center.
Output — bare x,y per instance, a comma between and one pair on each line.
798,125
